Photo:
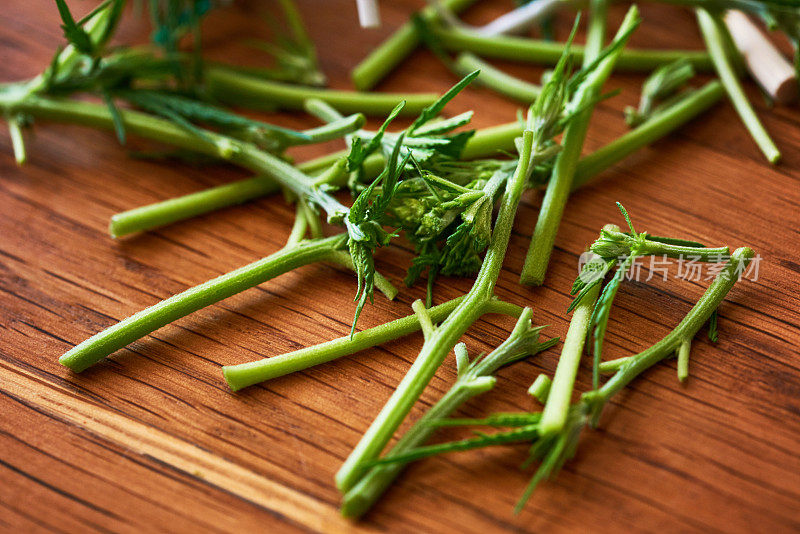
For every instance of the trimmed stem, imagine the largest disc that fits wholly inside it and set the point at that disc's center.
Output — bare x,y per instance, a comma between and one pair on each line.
547,52
257,93
716,36
540,389
497,80
383,59
656,127
558,187
438,345
247,374
146,321
191,205
557,407
218,146
333,130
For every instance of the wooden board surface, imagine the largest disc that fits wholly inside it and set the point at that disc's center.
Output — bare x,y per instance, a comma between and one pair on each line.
152,440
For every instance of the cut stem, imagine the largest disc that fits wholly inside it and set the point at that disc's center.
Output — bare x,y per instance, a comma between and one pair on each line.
248,374
547,52
556,409
540,389
257,93
560,183
383,59
497,80
146,321
716,36
683,359
646,133
191,205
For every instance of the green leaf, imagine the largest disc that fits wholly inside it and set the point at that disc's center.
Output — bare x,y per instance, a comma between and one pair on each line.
119,125
434,109
75,34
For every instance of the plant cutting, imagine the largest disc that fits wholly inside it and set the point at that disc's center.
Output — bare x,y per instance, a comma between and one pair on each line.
554,432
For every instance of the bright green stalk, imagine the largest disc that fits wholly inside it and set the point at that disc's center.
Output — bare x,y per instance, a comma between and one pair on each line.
333,130
257,93
146,321
497,80
242,153
547,52
653,129
472,380
436,347
191,205
715,34
540,389
300,225
396,48
247,374
559,398
560,183
633,366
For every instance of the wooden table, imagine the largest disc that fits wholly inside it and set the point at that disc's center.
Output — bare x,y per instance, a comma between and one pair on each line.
152,439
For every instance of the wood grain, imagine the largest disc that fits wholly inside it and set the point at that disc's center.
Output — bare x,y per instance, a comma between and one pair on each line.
152,440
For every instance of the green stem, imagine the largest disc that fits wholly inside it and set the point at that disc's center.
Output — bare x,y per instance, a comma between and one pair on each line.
656,127
470,382
146,321
396,48
559,398
437,346
257,93
547,52
540,389
560,183
486,142
333,130
191,205
239,152
495,79
715,34
633,366
299,227
247,374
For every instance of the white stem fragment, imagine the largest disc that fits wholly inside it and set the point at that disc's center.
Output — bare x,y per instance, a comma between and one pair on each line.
767,65
520,19
368,14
